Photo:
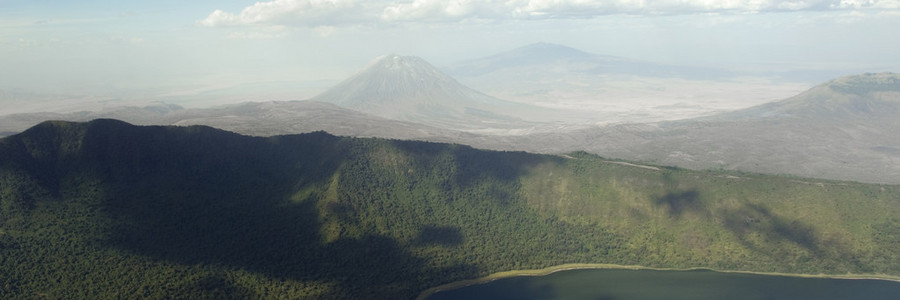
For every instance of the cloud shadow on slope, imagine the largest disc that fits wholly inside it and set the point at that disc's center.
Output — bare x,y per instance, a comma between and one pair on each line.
199,196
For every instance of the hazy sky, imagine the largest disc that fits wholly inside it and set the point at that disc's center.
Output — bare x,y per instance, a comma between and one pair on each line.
100,46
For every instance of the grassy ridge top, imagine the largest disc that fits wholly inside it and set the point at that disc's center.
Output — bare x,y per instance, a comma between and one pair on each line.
106,209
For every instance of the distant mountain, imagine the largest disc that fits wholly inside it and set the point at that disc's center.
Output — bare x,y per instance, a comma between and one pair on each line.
554,58
843,129
408,88
381,100
528,56
616,89
394,80
105,209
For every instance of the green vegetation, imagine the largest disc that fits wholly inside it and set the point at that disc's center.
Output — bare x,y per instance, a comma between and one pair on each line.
109,210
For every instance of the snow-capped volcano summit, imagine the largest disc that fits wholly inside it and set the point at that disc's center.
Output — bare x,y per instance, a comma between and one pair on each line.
409,88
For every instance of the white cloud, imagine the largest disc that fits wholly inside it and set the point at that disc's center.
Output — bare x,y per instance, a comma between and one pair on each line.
293,12
336,13
582,8
887,4
219,18
851,4
436,10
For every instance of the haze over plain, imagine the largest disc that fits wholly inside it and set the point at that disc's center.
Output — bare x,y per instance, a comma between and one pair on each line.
69,56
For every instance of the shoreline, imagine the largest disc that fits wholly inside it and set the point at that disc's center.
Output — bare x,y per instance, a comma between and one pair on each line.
568,267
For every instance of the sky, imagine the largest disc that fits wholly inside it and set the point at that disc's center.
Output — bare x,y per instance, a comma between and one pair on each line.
151,48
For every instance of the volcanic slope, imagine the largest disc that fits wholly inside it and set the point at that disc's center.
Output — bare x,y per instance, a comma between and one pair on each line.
844,129
408,88
105,209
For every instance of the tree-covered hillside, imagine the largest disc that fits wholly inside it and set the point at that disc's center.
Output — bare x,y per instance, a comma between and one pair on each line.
105,209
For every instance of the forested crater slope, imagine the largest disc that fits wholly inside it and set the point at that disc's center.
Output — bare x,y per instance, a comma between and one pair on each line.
105,209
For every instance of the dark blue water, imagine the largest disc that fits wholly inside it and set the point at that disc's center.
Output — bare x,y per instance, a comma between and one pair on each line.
611,284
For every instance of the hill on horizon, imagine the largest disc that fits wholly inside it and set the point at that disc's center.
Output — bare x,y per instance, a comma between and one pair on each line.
844,129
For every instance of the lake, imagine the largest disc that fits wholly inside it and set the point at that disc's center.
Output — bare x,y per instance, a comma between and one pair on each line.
619,284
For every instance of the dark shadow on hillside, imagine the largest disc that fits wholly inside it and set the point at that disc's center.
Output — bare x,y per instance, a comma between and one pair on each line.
477,165
212,285
208,197
887,235
755,218
473,164
439,236
500,171
679,201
